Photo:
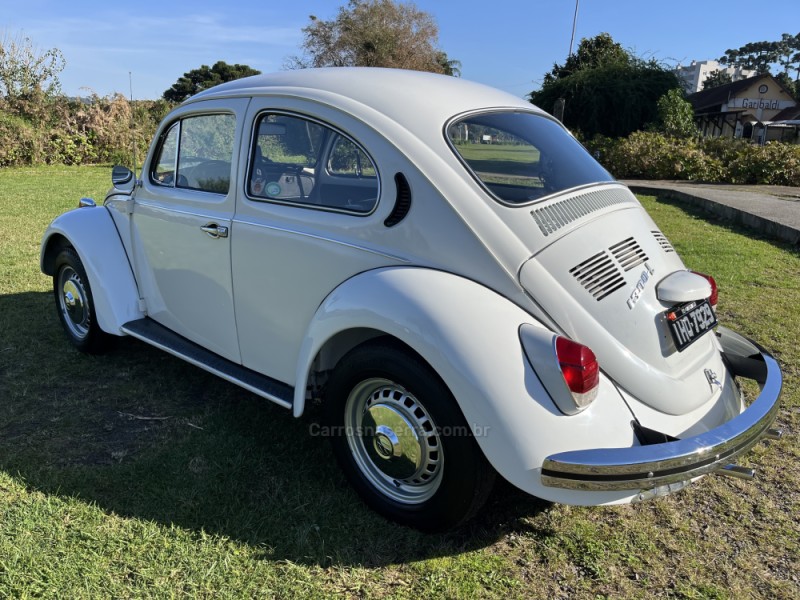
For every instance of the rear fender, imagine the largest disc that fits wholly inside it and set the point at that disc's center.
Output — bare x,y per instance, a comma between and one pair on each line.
470,336
93,235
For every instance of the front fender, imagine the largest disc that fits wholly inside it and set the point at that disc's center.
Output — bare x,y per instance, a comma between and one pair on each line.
470,336
93,235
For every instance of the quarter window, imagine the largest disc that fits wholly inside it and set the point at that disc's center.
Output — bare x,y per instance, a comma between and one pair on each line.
196,153
299,161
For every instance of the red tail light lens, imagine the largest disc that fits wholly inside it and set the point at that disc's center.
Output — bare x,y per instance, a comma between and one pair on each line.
712,300
580,369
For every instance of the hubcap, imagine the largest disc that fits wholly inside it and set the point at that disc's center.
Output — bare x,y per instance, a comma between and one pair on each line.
394,441
73,302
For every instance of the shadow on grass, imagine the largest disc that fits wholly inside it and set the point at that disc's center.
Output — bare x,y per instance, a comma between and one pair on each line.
144,435
699,212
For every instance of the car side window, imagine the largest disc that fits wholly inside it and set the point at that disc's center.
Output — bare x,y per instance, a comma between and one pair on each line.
300,161
195,153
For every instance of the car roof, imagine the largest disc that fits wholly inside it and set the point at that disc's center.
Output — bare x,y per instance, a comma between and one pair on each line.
407,97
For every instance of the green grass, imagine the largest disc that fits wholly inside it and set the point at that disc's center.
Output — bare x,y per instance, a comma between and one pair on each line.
134,474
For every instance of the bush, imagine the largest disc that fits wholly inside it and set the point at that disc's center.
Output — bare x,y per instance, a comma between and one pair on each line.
36,129
20,142
774,164
651,155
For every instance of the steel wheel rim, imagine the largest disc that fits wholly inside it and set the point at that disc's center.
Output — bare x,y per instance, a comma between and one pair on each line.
394,441
73,302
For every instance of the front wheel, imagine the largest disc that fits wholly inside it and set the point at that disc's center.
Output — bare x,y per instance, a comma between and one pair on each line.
402,440
75,305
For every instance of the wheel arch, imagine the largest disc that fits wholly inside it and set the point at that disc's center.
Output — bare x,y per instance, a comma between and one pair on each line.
92,234
470,337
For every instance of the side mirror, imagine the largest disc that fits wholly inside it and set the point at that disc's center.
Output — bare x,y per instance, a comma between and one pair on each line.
123,179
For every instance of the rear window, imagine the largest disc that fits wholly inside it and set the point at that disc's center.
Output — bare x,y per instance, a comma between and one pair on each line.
520,157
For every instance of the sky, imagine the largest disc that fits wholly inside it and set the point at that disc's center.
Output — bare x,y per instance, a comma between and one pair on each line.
508,44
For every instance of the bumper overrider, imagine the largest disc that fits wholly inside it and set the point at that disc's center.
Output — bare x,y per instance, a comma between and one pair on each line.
669,464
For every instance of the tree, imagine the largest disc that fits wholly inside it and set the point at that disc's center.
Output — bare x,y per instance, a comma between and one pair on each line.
591,53
449,67
606,89
375,33
205,77
676,115
760,56
25,70
716,79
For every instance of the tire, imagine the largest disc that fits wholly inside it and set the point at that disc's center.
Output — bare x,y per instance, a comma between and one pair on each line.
402,440
75,305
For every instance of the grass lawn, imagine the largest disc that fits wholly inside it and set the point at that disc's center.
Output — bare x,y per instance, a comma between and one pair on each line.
134,474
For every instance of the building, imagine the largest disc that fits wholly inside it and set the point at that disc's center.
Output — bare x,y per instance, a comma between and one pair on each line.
743,109
693,76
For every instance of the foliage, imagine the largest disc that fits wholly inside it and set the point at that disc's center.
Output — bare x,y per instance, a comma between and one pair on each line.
375,33
205,77
607,90
676,115
651,155
773,163
717,78
449,66
793,87
612,98
591,53
760,56
57,130
25,70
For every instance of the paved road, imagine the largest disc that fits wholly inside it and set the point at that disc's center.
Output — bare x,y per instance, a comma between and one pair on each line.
772,210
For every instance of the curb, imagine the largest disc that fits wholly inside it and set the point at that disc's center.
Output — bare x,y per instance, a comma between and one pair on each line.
768,227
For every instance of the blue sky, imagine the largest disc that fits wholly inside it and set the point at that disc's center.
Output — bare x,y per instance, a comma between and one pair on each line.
508,44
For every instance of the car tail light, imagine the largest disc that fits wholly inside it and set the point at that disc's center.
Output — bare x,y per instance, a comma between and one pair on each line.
712,299
580,369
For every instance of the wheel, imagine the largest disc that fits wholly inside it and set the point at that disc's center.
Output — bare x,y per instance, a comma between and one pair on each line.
402,440
75,305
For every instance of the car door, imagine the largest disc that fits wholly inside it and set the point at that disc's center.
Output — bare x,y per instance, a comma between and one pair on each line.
182,221
306,221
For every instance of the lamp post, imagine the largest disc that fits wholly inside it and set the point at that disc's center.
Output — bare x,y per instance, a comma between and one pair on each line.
574,23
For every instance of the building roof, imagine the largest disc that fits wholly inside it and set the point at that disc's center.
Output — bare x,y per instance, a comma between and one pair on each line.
788,114
719,95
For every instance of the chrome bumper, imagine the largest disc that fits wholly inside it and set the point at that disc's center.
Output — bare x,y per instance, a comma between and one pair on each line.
651,466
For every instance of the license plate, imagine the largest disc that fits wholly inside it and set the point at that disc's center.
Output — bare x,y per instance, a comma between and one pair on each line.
688,322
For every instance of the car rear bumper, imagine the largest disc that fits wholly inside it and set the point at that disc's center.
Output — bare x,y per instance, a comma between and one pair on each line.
664,464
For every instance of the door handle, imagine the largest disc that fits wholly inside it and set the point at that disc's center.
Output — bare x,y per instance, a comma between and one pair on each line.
215,230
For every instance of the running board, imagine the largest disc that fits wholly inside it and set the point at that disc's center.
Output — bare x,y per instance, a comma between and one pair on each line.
165,339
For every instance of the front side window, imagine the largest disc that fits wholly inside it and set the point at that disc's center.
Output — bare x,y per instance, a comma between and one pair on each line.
299,161
520,157
195,153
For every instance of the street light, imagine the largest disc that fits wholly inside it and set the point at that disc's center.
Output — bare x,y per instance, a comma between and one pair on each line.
574,23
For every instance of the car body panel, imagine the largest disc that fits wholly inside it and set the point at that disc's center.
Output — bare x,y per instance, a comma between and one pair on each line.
91,231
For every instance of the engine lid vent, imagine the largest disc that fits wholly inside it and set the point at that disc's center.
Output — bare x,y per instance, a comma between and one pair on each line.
599,275
663,241
553,217
629,254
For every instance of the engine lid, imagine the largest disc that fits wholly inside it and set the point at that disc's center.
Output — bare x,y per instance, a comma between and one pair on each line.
609,282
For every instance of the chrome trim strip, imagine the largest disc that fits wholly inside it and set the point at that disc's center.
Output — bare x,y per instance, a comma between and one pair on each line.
208,368
647,467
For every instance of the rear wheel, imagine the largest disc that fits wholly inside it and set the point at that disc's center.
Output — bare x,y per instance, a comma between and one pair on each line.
402,440
75,305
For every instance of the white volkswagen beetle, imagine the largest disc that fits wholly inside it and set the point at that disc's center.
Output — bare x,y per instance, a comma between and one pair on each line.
442,263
